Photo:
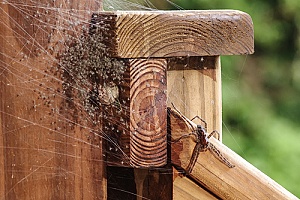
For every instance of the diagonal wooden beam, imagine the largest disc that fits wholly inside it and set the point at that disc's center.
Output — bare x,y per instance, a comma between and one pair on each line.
243,181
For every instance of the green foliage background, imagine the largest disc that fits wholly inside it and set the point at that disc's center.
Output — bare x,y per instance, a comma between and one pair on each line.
261,92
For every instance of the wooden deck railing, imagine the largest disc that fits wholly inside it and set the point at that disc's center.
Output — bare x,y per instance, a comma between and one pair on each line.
87,95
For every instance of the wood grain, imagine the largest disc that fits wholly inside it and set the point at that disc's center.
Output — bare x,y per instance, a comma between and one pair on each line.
143,99
148,117
194,87
185,188
243,181
178,33
45,153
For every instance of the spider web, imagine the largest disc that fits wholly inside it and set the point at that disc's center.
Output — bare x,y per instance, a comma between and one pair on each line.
51,112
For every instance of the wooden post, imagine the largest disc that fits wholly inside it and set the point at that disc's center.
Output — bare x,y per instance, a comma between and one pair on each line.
46,150
194,87
141,116
199,91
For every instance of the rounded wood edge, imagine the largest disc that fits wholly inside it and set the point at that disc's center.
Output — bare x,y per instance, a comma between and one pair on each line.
144,34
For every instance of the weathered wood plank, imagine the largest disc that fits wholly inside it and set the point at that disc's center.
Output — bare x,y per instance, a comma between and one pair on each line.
194,87
243,181
139,34
185,188
46,153
141,129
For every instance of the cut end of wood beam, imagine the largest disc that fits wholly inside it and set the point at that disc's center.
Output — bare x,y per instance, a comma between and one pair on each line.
140,118
139,34
148,112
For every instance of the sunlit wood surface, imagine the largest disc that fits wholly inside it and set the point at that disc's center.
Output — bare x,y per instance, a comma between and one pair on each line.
46,151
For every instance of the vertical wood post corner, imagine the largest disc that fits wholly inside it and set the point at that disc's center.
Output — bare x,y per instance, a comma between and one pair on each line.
181,41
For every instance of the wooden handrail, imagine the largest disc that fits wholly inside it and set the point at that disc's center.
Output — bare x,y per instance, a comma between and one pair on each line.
138,34
243,181
165,35
181,52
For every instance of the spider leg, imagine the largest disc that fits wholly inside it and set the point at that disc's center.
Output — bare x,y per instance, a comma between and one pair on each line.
202,120
183,117
182,137
193,160
219,156
214,132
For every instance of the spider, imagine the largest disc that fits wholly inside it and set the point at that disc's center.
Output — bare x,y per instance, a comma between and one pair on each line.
202,142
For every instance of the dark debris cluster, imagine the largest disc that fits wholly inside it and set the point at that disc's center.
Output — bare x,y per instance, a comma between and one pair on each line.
86,65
